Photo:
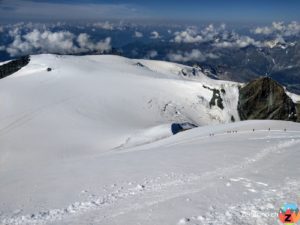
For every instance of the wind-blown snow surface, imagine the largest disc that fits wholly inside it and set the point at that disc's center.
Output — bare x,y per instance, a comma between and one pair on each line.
90,143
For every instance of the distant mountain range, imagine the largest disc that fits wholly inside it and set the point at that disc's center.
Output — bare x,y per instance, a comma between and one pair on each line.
279,61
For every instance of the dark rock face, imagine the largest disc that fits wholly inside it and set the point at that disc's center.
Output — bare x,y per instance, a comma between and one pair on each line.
216,99
180,127
264,98
13,66
298,112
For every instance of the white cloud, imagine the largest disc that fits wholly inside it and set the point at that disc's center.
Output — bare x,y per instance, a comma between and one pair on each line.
238,42
104,25
279,28
138,34
292,29
62,42
276,26
187,36
245,41
222,38
87,45
2,48
219,36
191,35
263,30
155,35
15,31
152,54
194,55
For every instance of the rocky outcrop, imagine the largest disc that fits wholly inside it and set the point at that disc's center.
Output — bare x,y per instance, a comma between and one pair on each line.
13,66
264,98
298,112
180,127
216,99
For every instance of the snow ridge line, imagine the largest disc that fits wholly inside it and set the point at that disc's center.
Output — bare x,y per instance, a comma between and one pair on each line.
190,140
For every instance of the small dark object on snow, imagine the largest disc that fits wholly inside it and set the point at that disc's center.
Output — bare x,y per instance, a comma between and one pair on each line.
49,69
232,119
139,64
179,127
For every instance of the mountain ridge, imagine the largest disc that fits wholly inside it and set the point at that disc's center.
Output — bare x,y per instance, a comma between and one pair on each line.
264,98
219,96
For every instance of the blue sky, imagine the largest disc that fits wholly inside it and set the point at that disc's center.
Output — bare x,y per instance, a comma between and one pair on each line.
196,10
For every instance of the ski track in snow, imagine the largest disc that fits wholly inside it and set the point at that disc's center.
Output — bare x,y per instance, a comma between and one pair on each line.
27,116
259,211
180,184
256,206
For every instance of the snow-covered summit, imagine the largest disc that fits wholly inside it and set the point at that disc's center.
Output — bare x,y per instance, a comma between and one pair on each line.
106,96
89,142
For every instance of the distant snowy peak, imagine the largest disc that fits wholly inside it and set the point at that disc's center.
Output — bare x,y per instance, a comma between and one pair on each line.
278,43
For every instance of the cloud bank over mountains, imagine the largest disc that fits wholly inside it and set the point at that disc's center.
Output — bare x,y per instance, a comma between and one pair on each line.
97,37
279,28
62,42
194,55
223,38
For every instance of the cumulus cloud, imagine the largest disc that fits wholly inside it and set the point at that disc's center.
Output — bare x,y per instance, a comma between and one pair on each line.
62,42
220,37
155,35
87,45
104,25
238,42
15,31
263,30
279,28
151,54
194,55
138,34
191,35
187,36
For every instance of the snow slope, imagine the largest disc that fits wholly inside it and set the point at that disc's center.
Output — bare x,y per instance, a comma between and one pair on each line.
83,98
90,143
